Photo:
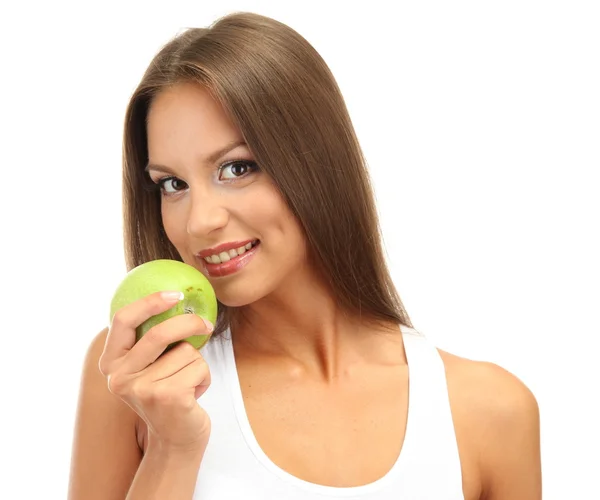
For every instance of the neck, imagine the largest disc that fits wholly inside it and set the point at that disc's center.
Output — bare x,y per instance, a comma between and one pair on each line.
302,324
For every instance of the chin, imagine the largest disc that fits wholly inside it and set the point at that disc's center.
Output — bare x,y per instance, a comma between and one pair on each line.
234,297
233,302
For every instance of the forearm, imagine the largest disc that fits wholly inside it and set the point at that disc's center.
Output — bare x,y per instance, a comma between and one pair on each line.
166,475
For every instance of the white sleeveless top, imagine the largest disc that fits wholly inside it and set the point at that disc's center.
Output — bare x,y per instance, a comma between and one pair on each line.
235,467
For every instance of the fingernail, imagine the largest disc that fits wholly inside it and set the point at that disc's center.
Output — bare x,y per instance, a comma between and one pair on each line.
209,325
172,296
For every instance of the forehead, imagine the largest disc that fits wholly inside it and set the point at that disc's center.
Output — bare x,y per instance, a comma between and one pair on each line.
185,117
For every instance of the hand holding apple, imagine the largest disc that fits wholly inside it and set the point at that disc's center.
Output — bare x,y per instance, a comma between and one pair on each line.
168,275
145,360
161,387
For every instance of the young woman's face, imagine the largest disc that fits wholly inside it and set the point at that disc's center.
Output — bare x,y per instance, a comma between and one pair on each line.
213,194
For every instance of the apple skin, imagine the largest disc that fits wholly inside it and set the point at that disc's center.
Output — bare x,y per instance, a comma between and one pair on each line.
168,275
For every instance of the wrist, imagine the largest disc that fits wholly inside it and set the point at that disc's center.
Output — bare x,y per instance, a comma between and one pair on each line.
189,451
166,472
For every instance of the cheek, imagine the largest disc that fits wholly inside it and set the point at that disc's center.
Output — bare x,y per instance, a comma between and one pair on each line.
282,230
174,223
270,214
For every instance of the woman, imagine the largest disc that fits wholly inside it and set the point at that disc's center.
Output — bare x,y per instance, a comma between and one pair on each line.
241,160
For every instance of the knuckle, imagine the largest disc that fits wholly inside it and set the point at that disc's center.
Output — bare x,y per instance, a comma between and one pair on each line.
119,319
141,391
155,336
201,361
188,349
183,353
163,395
116,384
202,369
154,395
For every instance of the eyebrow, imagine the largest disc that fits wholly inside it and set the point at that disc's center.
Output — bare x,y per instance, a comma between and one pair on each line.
212,158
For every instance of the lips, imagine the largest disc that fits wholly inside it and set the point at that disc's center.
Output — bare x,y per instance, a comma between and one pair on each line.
225,247
231,266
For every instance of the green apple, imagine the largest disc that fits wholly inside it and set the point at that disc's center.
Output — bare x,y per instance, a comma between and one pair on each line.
168,275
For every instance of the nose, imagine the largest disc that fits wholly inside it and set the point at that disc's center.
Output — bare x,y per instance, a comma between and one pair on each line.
207,213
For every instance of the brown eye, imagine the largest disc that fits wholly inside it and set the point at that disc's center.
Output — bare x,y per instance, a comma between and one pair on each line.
236,169
171,185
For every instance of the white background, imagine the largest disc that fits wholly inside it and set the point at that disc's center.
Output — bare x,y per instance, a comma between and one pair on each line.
480,122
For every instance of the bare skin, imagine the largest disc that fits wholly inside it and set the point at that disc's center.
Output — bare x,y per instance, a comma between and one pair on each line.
293,329
495,418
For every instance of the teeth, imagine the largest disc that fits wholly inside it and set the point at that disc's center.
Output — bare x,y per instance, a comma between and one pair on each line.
231,254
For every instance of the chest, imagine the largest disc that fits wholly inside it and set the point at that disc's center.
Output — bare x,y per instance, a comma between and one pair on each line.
344,435
341,434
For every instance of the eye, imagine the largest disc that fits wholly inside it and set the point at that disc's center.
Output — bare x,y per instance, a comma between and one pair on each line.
236,169
171,185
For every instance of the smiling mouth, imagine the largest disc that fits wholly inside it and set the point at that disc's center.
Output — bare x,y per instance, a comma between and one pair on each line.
233,265
232,254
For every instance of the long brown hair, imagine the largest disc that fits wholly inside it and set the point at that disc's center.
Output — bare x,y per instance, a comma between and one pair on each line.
285,101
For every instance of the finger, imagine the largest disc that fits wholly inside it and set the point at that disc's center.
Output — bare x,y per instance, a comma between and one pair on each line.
121,334
182,386
172,362
126,384
195,376
202,388
155,341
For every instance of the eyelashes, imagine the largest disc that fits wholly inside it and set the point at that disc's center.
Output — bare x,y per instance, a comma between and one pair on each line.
252,166
164,181
239,169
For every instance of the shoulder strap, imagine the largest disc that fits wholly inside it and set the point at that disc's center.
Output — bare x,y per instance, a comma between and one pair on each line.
430,442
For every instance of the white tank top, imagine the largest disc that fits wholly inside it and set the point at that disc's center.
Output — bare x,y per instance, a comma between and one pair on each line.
235,467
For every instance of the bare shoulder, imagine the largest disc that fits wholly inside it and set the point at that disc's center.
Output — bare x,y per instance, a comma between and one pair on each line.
497,420
492,389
